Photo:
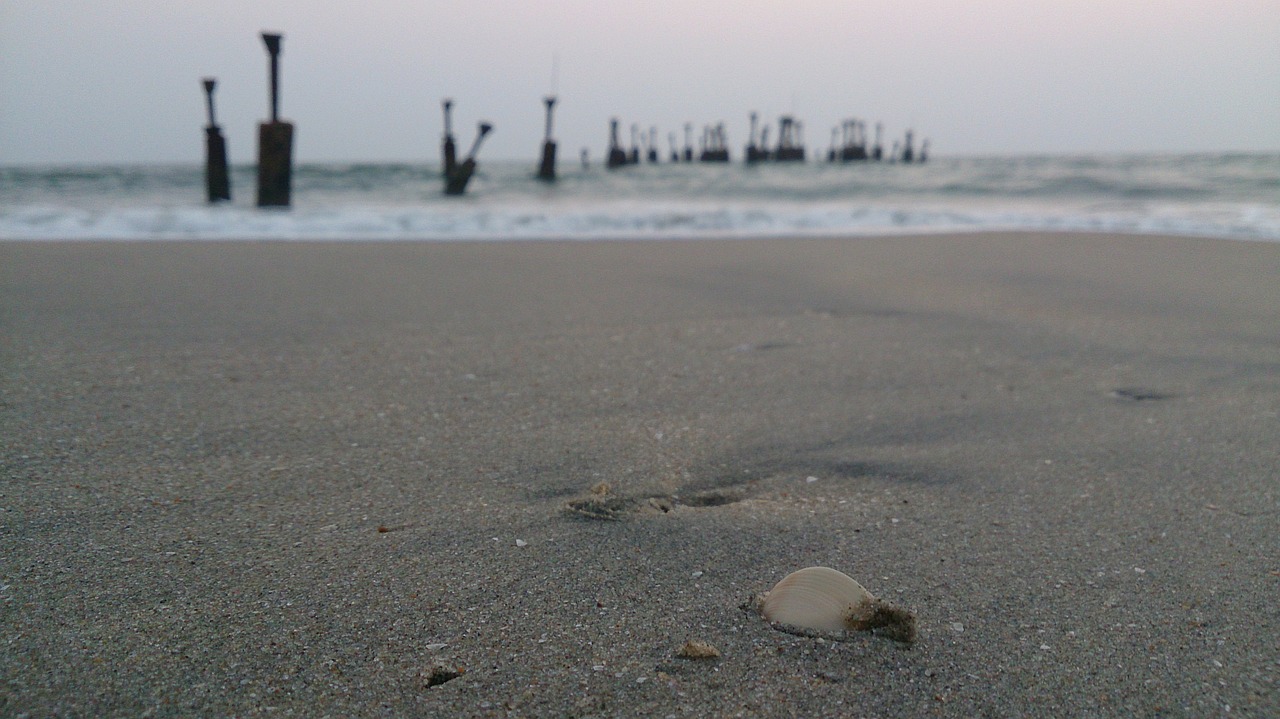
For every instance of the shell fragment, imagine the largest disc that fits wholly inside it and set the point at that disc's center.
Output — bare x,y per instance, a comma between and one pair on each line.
825,602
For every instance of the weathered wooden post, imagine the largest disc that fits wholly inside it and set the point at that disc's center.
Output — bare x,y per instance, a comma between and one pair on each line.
217,181
617,156
754,153
448,150
456,181
547,169
275,141
790,141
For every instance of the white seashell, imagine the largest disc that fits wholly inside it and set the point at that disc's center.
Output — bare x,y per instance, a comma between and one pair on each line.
825,601
817,598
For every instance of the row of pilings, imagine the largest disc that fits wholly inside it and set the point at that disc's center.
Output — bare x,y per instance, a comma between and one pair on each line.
275,146
849,143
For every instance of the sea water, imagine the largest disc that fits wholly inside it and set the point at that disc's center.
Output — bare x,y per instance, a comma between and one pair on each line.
1235,196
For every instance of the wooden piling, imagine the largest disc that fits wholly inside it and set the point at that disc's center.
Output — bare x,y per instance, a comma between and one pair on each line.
448,150
547,168
455,182
217,179
617,156
275,141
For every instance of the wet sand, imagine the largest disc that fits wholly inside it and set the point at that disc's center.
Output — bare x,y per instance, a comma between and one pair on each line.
306,479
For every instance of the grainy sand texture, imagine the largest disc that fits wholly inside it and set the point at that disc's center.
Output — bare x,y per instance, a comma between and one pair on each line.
546,479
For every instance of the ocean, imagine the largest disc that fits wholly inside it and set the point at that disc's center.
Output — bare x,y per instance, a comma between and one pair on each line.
1234,196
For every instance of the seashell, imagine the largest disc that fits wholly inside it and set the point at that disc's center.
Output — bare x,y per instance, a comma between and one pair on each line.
825,602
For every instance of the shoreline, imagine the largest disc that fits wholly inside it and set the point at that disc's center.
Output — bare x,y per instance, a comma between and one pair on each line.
782,236
322,476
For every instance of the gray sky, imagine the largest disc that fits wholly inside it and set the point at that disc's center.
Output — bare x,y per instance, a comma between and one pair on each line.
118,80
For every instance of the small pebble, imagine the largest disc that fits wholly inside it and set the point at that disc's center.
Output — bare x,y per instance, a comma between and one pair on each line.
697,649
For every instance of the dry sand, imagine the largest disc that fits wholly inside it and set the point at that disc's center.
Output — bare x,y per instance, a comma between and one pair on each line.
306,479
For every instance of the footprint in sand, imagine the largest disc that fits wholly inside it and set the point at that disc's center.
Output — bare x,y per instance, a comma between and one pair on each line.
1138,394
602,503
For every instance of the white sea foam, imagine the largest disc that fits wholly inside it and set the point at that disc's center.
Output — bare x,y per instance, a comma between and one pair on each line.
1218,196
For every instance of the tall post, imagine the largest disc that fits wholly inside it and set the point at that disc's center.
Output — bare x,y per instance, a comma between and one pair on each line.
216,178
753,151
448,150
547,169
275,141
617,156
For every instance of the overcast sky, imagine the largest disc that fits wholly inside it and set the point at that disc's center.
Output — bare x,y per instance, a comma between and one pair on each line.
119,80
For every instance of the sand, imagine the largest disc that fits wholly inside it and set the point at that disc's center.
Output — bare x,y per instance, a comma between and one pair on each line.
308,479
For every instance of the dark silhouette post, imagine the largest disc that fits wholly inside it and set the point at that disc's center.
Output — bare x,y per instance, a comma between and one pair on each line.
854,136
877,151
675,153
216,178
547,170
688,142
790,141
754,152
455,183
653,145
617,156
275,141
715,146
908,154
448,150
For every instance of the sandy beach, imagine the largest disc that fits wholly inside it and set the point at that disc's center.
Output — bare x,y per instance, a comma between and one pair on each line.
338,479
